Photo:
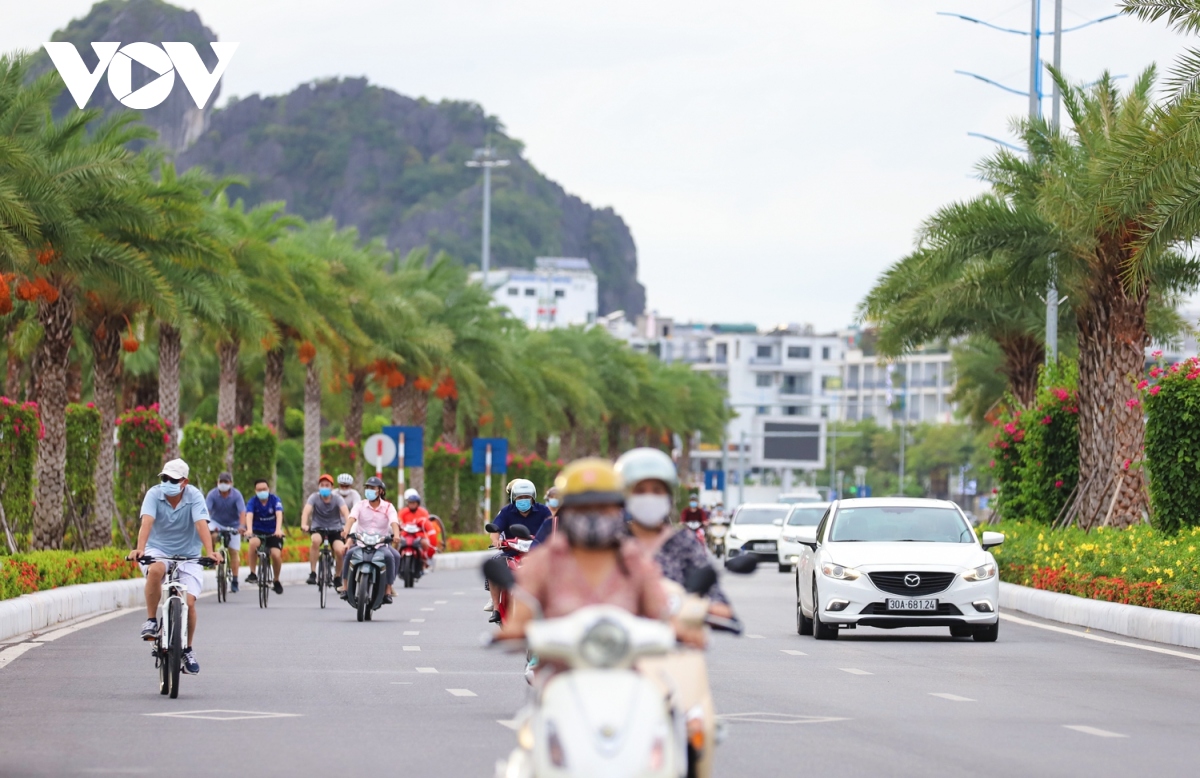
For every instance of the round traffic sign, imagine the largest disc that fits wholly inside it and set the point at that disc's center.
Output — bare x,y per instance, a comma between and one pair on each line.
379,450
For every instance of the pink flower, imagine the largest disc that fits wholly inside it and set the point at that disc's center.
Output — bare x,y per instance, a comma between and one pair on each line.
992,463
1155,389
154,407
1058,484
1010,428
1047,420
91,405
140,408
1126,465
1132,402
1062,394
1156,354
1193,375
1142,384
1155,372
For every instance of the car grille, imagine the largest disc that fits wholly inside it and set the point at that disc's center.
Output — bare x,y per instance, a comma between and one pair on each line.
881,609
893,582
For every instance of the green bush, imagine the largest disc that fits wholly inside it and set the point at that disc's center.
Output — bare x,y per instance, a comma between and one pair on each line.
203,448
141,447
1172,398
536,469
289,479
338,456
83,450
293,422
254,451
1049,458
20,430
39,570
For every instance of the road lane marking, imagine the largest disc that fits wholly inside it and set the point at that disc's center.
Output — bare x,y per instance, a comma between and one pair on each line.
426,670
427,609
412,648
460,592
1098,638
509,723
402,683
777,718
440,602
793,652
412,632
1093,731
951,697
416,621
462,692
64,631
12,652
224,715
756,637
854,671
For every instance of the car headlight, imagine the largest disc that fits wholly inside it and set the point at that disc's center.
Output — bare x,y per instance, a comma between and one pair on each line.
981,573
839,572
604,645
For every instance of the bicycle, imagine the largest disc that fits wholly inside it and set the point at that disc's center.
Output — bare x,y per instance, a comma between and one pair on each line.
325,568
265,571
224,574
172,640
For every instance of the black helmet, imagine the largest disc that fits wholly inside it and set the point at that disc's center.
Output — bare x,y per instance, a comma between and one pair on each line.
375,482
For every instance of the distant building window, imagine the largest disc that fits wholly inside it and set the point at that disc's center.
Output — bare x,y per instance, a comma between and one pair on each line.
763,352
763,410
797,383
591,317
854,376
530,292
666,331
796,410
513,291
560,292
764,379
799,352
722,353
825,352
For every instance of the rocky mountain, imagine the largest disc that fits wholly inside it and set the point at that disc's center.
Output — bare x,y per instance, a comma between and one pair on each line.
393,166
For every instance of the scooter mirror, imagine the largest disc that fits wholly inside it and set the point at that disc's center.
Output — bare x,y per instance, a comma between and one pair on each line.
498,574
520,532
742,563
490,527
699,580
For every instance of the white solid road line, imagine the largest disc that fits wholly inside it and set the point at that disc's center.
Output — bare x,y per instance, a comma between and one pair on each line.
427,609
462,692
426,670
793,652
756,637
1092,730
951,697
58,633
440,602
416,621
12,652
412,632
411,648
854,671
1098,638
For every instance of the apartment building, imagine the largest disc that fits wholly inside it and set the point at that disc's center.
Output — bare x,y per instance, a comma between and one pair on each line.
913,388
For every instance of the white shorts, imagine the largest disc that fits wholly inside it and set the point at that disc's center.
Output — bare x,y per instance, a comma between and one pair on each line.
189,573
235,542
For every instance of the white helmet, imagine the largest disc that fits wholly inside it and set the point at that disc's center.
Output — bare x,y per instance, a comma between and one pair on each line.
345,479
644,464
521,486
412,494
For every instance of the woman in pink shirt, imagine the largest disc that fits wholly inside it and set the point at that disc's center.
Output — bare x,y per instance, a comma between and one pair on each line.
373,514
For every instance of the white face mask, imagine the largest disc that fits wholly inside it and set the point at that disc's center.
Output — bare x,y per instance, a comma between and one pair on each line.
343,492
224,487
648,510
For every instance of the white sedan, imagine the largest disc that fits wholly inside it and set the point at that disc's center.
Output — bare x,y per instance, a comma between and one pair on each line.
897,562
803,514
754,529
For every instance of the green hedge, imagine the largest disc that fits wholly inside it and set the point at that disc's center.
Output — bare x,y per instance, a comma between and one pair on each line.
1137,566
254,451
38,570
203,448
338,456
536,469
141,448
1172,399
20,430
83,450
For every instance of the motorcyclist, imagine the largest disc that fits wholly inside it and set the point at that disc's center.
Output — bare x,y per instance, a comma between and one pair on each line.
376,515
523,508
553,502
414,513
694,512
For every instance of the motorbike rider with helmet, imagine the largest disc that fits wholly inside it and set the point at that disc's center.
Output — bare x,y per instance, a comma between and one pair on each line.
523,508
376,515
414,513
553,502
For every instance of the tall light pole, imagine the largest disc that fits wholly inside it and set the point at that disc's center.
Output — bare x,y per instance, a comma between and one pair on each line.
486,158
1052,288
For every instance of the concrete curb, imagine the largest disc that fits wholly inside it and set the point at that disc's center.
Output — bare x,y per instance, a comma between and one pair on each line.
40,610
1167,627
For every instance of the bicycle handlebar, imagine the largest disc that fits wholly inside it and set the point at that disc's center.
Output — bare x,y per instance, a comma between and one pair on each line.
203,561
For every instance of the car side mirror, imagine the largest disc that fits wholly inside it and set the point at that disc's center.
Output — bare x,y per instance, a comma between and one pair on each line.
778,522
806,536
992,539
490,527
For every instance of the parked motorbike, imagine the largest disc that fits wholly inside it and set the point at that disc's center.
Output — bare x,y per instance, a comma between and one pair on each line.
366,584
412,554
514,545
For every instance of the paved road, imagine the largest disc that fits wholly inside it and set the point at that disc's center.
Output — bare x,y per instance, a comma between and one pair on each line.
344,693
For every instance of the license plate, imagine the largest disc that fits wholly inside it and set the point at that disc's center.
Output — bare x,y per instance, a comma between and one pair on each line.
764,546
914,604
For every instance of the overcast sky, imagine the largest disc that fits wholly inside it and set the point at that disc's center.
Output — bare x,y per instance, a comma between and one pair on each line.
770,156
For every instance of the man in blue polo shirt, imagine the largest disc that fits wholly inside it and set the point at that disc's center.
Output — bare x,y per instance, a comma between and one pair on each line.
226,507
264,521
174,523
523,508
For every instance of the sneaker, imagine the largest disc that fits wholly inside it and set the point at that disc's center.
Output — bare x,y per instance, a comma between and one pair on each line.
233,586
150,629
337,582
252,578
489,607
190,665
278,588
494,618
312,579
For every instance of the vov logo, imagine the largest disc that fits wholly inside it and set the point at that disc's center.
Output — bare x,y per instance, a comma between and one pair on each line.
171,58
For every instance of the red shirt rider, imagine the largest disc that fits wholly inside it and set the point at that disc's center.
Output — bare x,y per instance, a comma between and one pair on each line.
414,513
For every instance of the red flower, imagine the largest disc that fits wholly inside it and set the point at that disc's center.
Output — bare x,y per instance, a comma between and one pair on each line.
1047,420
1155,372
1058,484
1142,384
1132,402
1155,389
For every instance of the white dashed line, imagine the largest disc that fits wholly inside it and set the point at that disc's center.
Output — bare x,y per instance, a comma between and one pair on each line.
793,652
401,683
951,697
412,648
440,602
756,637
416,621
854,671
412,632
462,692
427,609
1093,731
509,723
426,670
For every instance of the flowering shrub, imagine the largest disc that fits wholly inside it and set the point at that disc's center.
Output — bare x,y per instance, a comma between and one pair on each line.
468,542
254,450
203,448
1137,566
38,570
1172,400
83,450
536,469
338,456
20,430
142,437
1006,461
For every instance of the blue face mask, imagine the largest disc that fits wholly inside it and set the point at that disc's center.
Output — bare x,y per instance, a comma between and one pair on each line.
552,502
170,489
325,491
693,503
370,494
263,495
524,504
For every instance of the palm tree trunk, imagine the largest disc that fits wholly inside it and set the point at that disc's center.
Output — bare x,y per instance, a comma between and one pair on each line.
685,459
53,354
450,421
170,353
541,446
12,379
613,430
273,390
312,427
1023,355
399,411
106,373
1112,343
227,356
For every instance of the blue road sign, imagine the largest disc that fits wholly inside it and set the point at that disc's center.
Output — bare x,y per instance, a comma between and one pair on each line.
499,455
714,480
414,445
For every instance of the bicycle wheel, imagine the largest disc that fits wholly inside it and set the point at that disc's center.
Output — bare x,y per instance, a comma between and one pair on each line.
363,595
160,661
221,582
323,576
175,644
264,578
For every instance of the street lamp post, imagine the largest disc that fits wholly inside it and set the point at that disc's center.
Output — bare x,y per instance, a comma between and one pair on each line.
486,158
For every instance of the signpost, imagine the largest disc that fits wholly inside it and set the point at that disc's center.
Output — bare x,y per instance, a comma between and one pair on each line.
489,455
410,450
379,450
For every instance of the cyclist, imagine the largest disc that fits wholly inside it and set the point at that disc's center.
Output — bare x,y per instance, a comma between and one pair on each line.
376,515
226,506
264,521
174,523
413,513
326,514
523,508
347,491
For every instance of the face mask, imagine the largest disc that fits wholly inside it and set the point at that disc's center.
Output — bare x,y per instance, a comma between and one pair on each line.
593,530
344,492
263,495
552,502
524,504
325,491
170,489
649,510
370,494
224,487
693,503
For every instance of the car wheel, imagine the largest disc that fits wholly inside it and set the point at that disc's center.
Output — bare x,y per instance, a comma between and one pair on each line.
987,633
820,630
804,625
961,631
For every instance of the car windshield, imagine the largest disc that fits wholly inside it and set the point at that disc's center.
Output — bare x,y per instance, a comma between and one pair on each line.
760,515
805,517
792,499
900,523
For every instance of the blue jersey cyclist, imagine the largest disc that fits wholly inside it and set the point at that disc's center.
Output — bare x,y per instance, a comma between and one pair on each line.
523,508
264,522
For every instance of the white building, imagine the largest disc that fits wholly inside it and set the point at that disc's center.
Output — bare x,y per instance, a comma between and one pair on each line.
661,336
557,292
915,387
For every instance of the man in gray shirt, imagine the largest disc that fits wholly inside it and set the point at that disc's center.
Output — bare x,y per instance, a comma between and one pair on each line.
226,506
325,515
347,491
